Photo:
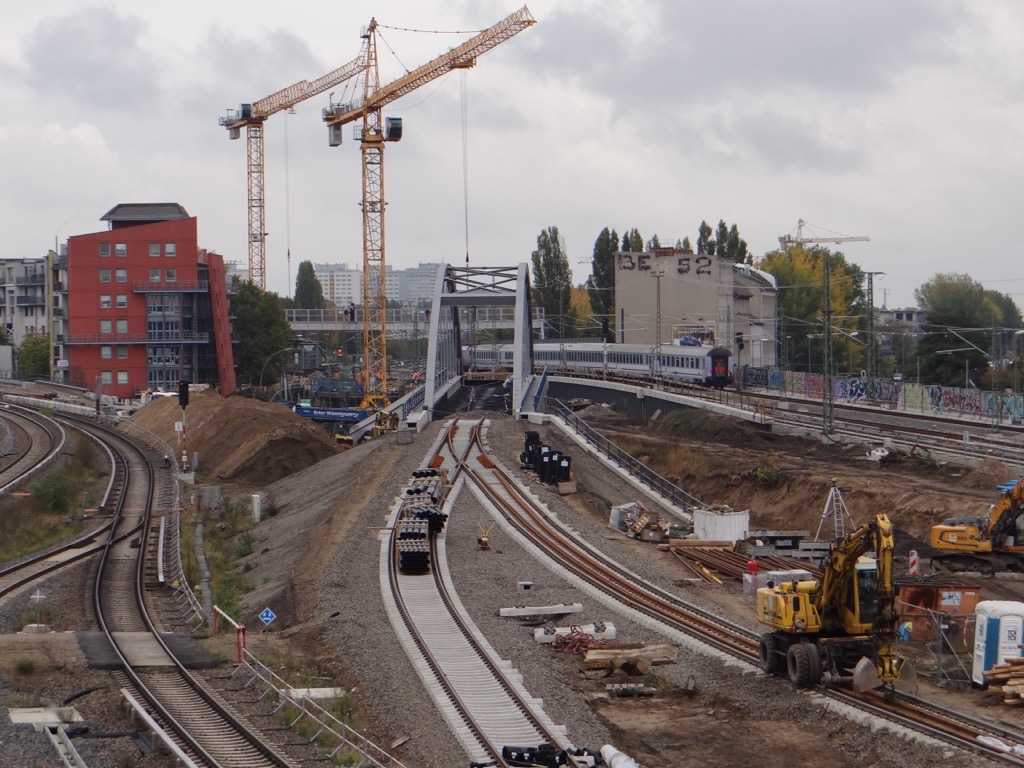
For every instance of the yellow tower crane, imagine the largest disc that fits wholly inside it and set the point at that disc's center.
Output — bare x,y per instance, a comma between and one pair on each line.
372,134
252,116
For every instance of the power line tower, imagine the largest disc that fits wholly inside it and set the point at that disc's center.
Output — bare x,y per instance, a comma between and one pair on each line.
828,423
872,343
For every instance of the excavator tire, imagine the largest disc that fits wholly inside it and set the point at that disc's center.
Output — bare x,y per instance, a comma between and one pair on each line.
768,651
799,665
814,658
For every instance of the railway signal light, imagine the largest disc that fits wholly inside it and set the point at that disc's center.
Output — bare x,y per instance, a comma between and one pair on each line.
183,393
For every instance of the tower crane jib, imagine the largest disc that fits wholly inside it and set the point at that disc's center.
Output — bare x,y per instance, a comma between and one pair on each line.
373,135
251,117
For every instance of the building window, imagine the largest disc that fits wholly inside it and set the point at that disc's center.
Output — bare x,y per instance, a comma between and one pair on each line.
122,352
106,377
122,300
105,301
104,275
121,275
154,249
104,249
105,326
122,326
105,352
171,275
154,275
170,250
122,377
120,250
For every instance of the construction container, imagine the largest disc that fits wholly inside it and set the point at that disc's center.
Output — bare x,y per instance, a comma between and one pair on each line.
927,602
998,633
714,525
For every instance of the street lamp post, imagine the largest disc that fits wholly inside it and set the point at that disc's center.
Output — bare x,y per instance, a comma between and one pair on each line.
657,274
271,355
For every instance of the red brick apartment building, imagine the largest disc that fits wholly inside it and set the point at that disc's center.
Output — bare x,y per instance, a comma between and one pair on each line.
144,307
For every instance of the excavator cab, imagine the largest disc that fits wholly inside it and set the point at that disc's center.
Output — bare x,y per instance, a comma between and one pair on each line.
841,628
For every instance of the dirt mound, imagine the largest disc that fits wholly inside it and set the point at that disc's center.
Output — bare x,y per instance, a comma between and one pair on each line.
987,475
237,439
602,414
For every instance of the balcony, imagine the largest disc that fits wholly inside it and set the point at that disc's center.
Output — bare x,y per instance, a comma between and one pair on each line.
181,286
30,280
178,337
30,301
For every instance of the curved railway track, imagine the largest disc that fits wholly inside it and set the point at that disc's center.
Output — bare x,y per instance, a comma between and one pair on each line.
25,571
203,727
37,440
126,601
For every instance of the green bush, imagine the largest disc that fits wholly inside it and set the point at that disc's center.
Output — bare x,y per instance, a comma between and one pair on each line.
53,492
769,474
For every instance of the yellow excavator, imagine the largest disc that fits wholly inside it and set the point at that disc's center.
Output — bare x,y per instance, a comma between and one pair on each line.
985,544
841,628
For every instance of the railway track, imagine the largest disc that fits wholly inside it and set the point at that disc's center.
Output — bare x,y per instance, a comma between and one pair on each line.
126,604
525,518
36,441
203,728
480,696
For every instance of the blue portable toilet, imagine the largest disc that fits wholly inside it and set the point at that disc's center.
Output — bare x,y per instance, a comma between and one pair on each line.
998,635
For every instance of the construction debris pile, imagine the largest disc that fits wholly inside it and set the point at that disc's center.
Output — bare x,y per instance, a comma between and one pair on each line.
638,522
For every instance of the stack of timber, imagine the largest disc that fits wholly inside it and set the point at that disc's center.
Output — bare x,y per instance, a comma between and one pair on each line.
1008,678
633,660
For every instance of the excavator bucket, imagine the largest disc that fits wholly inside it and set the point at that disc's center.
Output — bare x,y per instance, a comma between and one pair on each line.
865,676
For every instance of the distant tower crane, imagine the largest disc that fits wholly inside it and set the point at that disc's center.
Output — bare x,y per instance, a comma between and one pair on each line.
372,134
828,424
252,116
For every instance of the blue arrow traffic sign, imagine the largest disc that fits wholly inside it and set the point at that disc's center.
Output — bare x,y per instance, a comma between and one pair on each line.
267,616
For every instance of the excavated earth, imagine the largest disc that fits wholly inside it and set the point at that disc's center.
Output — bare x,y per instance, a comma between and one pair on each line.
310,558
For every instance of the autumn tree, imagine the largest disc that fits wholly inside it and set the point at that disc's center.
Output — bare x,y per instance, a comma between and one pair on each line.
799,273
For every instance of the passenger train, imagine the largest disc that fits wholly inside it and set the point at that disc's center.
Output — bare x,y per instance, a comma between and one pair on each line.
705,365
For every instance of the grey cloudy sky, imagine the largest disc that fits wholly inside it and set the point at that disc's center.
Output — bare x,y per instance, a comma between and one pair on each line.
896,119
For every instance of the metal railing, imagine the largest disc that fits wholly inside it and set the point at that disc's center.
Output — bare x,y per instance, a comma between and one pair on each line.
346,739
624,460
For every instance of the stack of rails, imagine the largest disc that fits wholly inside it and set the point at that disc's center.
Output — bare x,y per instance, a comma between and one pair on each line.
420,518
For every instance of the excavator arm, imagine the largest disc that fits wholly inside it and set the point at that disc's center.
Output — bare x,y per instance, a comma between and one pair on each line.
1002,522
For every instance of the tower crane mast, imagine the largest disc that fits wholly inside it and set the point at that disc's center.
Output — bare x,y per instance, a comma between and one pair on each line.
372,134
828,425
251,117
